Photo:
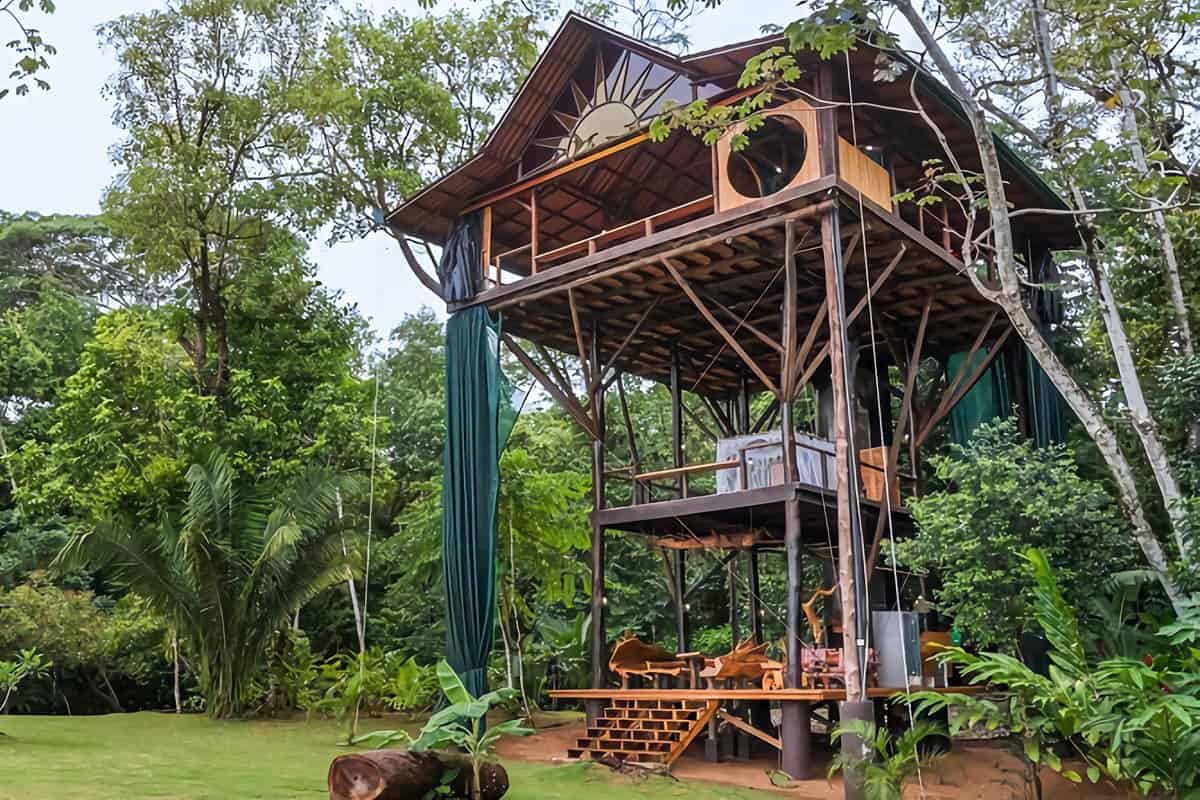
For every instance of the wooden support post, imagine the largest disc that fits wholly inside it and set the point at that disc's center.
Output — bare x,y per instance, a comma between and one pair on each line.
677,422
735,628
533,232
756,608
794,730
796,735
724,423
741,321
851,578
580,347
743,404
681,608
486,246
859,307
634,456
789,311
599,633
566,401
700,423
788,326
602,374
766,417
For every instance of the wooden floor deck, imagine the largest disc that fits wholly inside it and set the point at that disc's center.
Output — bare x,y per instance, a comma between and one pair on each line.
760,509
700,695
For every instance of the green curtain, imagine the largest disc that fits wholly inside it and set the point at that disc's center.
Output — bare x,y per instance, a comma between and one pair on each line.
1047,416
987,399
476,429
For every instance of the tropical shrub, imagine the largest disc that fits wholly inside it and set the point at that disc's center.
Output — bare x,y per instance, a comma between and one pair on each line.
409,686
96,646
27,664
295,673
1131,721
999,496
894,760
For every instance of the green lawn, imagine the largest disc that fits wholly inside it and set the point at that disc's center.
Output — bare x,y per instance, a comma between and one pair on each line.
151,755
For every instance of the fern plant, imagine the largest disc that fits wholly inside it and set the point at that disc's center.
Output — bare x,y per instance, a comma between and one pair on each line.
896,759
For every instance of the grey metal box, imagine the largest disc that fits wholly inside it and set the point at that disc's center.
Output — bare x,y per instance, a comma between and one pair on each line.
896,636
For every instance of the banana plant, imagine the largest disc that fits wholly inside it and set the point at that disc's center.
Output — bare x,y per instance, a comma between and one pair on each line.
462,724
28,664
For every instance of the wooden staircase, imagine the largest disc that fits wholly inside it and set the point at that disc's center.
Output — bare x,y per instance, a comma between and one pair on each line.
644,731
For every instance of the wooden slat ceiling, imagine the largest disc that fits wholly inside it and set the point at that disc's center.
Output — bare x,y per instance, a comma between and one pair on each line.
744,275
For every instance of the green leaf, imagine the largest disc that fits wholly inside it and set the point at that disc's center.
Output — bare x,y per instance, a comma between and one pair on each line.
451,685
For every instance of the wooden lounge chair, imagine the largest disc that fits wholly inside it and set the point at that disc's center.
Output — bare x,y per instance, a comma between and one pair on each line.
745,662
632,656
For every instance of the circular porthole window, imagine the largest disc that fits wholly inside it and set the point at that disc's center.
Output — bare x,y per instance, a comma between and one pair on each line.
771,160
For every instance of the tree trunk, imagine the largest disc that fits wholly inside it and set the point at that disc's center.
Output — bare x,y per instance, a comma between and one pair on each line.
1174,284
403,775
175,664
359,626
1008,297
1139,414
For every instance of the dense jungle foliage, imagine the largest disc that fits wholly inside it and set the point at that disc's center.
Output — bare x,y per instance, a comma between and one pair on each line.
219,491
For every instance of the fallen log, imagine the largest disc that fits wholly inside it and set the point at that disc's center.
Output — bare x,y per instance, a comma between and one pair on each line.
402,775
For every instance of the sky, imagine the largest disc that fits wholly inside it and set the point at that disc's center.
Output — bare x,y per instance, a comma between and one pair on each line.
54,145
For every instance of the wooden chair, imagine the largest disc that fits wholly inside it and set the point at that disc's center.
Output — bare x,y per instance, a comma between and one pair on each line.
745,662
632,656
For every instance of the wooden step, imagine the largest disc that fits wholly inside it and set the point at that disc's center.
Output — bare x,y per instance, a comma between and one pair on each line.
644,731
598,734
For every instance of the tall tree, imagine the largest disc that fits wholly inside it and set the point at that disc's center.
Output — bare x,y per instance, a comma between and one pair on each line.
399,99
212,163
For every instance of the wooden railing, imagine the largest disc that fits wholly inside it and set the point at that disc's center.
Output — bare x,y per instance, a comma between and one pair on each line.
630,230
493,262
871,489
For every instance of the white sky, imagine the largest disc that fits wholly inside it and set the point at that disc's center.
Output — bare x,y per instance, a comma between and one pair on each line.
54,146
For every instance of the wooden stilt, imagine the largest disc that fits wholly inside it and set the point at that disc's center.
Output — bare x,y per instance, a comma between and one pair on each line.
851,578
756,609
796,736
599,635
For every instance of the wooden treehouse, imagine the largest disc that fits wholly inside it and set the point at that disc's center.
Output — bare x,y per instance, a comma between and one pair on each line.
745,280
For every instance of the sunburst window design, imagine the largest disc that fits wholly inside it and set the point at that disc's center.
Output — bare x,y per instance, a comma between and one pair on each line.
620,100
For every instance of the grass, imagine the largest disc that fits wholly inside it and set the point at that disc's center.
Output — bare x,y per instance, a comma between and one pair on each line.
168,757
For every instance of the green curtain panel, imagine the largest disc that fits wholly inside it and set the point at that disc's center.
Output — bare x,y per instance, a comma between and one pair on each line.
987,399
1047,416
476,429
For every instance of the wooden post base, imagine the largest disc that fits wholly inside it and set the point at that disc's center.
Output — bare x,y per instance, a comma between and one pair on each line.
795,731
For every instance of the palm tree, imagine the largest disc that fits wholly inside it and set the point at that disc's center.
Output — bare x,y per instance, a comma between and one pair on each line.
228,570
